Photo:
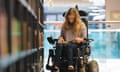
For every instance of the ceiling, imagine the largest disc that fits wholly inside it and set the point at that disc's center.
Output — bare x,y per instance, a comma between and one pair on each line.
63,5
67,2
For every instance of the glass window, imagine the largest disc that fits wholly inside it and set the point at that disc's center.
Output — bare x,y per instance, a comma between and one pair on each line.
60,17
50,17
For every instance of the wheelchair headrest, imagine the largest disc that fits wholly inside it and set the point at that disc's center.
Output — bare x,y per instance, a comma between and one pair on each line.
85,21
81,13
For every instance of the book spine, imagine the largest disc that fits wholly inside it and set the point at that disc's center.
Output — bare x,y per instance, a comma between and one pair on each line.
3,34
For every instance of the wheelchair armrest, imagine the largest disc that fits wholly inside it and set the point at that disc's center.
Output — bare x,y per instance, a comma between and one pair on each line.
51,40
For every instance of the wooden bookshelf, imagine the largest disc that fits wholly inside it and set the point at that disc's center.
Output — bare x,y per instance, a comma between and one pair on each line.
21,32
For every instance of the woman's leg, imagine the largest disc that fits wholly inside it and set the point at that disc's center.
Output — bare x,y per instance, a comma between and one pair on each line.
58,52
69,52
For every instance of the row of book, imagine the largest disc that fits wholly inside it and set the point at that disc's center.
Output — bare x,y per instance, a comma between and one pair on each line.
20,26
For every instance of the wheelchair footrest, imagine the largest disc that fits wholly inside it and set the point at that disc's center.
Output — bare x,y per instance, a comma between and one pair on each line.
50,67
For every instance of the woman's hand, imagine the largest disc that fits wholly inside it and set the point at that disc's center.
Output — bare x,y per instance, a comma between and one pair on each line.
79,40
61,40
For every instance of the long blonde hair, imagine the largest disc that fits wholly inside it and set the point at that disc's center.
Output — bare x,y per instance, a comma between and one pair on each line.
77,27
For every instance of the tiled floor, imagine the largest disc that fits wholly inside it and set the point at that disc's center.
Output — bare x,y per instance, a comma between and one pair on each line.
105,65
105,48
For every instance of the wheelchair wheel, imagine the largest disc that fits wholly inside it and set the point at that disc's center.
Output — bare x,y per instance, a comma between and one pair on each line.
82,69
93,66
55,71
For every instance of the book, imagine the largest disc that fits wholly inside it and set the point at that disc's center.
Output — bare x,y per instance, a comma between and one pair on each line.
3,34
32,4
29,37
39,15
40,39
24,36
35,39
15,36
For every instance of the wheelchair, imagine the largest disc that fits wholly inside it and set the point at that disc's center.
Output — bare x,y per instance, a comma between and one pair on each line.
80,57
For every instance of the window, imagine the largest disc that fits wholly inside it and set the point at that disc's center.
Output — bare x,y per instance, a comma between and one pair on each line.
50,17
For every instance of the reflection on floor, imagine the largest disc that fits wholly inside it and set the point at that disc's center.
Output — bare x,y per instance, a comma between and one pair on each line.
109,65
105,65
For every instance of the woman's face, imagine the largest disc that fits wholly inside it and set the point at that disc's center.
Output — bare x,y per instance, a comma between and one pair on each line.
71,18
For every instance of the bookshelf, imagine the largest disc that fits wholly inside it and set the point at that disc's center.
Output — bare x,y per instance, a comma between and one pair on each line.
21,35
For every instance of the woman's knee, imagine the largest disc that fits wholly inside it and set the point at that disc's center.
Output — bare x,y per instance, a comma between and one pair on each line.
58,45
72,45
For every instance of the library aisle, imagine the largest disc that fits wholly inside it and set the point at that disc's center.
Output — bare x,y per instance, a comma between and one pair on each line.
25,26
21,35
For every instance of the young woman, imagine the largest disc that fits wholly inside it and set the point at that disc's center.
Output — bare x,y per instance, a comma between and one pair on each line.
73,30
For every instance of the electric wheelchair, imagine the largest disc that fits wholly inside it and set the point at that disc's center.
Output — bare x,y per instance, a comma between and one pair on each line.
80,56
